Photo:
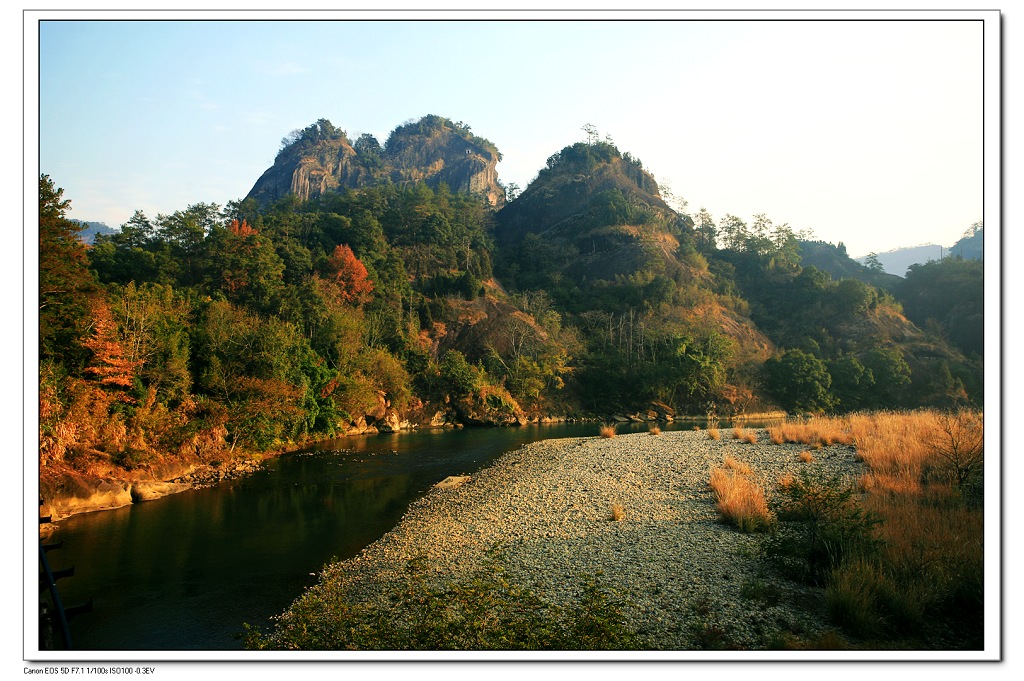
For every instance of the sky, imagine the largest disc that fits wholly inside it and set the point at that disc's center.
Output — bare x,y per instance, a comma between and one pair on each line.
866,132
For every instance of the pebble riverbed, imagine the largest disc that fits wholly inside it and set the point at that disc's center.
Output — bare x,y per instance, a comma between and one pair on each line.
546,508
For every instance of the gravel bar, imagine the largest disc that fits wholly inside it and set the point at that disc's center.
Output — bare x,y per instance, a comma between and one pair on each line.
546,507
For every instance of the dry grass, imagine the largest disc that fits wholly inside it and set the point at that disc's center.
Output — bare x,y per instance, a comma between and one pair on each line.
608,431
713,433
655,430
740,501
923,481
806,457
617,512
815,431
733,464
743,435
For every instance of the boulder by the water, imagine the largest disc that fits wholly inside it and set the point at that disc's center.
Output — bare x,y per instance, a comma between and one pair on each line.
453,481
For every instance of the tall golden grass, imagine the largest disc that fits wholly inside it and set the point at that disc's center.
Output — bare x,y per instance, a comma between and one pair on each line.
740,501
608,431
924,479
744,435
817,430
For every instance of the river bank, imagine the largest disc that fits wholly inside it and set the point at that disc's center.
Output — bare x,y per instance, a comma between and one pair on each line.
545,510
66,490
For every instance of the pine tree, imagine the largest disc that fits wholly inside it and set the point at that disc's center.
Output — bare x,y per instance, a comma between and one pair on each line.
65,284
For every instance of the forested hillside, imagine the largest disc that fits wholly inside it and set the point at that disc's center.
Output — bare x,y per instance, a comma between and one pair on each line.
389,300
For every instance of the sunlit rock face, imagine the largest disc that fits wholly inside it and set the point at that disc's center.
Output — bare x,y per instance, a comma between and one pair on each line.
433,150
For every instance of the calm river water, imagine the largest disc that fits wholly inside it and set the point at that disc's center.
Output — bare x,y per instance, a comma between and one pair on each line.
184,572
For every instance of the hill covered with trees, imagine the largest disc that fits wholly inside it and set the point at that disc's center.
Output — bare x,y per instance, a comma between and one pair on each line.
377,292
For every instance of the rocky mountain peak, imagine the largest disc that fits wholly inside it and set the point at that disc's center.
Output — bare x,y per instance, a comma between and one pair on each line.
434,150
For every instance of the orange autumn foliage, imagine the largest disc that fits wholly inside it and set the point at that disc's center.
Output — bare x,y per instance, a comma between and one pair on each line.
242,229
110,364
348,277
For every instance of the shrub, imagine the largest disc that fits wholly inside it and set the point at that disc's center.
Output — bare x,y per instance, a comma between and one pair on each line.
959,445
806,457
482,612
823,525
617,512
713,433
759,590
608,431
850,598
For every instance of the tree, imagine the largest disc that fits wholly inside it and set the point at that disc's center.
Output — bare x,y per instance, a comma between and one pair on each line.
243,265
347,277
706,231
512,191
853,297
458,377
184,232
153,325
891,373
65,284
112,364
734,232
851,381
873,264
799,380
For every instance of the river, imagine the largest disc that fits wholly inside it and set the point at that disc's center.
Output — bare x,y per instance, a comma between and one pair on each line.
186,571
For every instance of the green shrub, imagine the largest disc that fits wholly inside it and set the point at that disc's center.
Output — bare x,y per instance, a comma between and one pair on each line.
821,525
484,612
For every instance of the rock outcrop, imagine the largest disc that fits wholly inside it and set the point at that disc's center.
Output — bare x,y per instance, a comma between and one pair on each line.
434,150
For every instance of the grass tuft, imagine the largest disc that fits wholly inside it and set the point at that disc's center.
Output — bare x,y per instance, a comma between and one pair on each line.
740,501
734,464
806,457
655,430
617,512
608,431
743,435
713,433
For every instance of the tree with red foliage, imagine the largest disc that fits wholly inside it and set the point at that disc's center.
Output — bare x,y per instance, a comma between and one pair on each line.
110,365
348,276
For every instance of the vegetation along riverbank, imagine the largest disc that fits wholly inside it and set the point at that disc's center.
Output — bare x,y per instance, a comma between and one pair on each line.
856,533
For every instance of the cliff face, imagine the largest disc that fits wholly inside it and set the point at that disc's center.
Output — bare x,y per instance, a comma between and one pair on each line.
321,159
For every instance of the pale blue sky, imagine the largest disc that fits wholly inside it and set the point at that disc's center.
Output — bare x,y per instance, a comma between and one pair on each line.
866,132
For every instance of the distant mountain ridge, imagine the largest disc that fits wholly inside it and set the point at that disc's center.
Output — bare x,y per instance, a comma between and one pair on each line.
835,261
898,261
91,229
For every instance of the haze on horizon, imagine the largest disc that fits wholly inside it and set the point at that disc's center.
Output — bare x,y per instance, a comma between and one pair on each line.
865,132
